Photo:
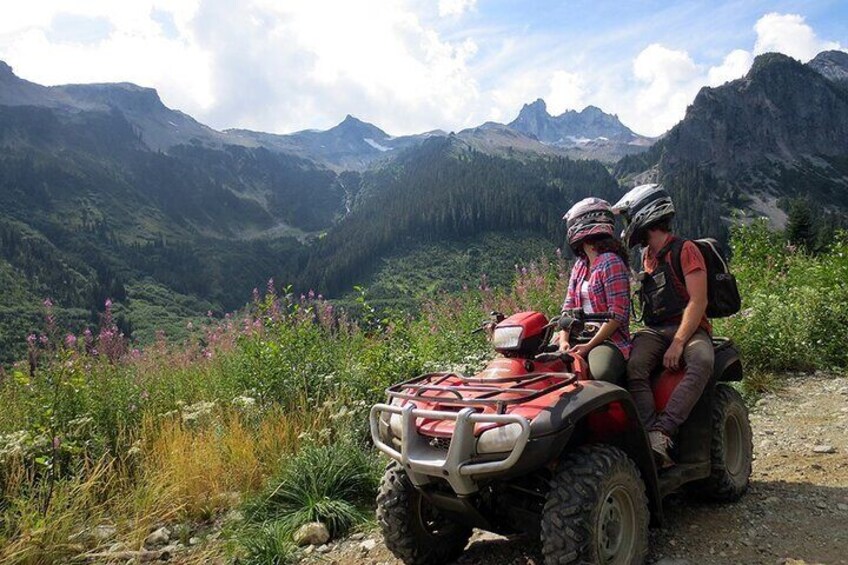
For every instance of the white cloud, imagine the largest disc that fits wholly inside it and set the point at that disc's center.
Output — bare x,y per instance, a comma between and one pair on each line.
668,82
455,7
269,65
789,34
374,59
134,49
567,92
735,65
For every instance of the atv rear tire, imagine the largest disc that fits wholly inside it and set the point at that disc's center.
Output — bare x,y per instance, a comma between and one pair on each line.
596,510
731,448
415,531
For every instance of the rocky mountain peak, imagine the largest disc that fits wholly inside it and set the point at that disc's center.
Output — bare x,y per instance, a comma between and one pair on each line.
833,65
572,126
123,95
533,112
593,111
6,71
353,126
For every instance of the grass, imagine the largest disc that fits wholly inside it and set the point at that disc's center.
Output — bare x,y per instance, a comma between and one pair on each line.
265,413
323,483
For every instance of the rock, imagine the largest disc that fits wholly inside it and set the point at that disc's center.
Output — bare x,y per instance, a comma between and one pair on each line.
357,536
168,551
842,507
672,561
158,537
310,549
821,505
313,533
368,545
324,549
193,540
824,449
104,532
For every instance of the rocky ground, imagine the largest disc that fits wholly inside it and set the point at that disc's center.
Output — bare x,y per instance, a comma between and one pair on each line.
795,512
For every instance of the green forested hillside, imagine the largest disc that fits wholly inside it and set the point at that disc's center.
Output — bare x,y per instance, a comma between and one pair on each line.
445,191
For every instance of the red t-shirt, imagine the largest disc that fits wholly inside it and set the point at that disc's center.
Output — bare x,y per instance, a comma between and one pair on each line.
691,260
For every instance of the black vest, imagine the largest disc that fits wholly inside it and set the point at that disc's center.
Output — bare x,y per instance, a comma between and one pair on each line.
662,294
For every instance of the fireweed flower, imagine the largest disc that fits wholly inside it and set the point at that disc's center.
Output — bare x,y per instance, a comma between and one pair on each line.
49,316
70,341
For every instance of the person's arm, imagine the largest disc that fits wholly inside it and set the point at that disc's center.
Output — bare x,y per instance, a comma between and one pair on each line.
696,287
571,301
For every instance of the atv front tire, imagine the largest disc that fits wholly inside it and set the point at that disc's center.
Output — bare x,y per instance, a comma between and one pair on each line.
596,510
415,531
731,447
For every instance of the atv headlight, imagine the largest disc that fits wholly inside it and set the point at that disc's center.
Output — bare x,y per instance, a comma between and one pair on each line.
500,439
396,425
507,337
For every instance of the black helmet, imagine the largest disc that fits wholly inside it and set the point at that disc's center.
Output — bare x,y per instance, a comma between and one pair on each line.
641,208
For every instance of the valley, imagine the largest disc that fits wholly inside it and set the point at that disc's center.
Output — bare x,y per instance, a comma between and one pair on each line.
108,193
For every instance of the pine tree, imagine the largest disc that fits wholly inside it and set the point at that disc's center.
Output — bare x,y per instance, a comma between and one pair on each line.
800,230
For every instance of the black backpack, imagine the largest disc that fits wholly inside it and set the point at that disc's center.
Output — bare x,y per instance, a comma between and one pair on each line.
723,298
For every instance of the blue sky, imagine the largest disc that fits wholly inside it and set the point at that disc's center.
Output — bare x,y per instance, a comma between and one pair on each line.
411,65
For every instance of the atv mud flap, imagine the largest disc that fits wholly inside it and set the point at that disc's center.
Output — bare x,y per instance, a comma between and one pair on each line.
456,465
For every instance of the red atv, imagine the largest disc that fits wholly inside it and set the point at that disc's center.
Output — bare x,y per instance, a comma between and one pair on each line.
532,444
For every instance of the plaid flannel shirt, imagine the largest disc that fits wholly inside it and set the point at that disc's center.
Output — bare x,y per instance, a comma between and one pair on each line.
609,291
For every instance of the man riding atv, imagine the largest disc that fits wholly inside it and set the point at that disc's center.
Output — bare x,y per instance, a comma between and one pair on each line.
534,444
674,312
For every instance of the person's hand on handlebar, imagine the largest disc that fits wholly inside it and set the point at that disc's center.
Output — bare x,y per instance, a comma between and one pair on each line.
581,350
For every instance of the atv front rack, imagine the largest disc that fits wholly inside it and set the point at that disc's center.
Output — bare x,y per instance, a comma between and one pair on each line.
486,392
423,462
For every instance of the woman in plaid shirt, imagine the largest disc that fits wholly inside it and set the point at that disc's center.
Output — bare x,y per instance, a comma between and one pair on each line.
600,282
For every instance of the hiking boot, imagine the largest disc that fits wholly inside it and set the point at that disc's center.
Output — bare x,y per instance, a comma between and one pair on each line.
660,444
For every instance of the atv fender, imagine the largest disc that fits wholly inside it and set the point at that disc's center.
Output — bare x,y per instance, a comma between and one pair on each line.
599,412
728,366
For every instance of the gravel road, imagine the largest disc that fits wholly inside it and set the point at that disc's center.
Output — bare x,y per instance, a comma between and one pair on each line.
795,512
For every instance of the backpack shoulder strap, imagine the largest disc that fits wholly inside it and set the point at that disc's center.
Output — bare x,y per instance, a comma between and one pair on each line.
676,263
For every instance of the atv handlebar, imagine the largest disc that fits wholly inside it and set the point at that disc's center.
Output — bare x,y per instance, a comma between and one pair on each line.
579,315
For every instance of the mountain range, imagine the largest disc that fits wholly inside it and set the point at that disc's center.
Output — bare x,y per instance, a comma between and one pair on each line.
107,192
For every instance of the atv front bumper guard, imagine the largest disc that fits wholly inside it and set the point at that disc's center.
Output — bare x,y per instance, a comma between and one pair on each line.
423,461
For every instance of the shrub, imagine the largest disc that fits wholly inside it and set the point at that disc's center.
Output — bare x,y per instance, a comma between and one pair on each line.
323,483
795,304
268,543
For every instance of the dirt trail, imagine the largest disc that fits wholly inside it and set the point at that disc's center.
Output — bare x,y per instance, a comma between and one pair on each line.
796,510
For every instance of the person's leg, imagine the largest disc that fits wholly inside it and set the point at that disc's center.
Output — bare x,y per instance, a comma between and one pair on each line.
606,363
699,358
648,349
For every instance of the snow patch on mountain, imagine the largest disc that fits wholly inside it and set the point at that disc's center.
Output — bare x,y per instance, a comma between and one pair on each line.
376,145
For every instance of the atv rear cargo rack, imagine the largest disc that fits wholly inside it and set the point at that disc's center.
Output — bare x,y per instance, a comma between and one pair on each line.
489,394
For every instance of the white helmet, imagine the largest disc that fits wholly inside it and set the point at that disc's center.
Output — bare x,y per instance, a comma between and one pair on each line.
642,207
